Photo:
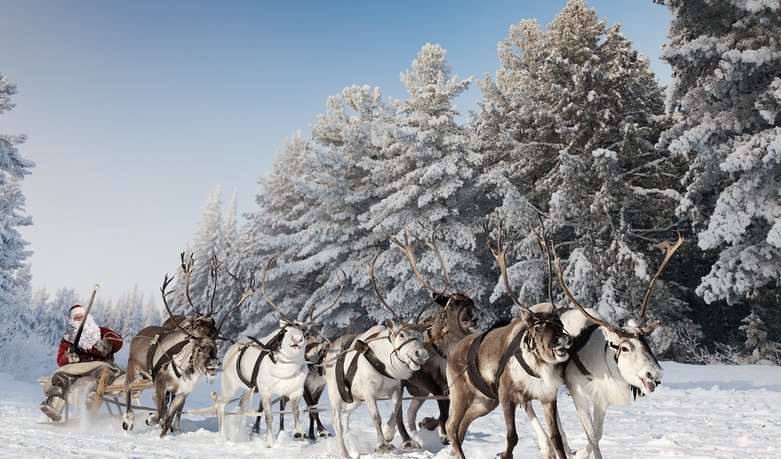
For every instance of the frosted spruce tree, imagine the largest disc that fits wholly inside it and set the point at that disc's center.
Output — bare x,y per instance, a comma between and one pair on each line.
206,246
726,101
273,230
349,138
425,176
16,340
568,128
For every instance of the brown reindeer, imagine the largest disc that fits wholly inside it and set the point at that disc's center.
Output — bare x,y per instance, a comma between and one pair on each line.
456,318
174,357
510,365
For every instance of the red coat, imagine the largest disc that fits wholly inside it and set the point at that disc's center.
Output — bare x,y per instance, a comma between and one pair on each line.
93,354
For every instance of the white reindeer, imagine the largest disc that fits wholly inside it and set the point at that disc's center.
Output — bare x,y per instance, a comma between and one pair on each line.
366,367
609,366
272,365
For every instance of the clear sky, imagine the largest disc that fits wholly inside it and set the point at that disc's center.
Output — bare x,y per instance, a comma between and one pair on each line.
136,111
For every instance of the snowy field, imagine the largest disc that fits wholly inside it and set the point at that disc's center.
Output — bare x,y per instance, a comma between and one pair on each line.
698,412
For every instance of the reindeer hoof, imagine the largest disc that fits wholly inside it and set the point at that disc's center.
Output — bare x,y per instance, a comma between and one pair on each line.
127,426
444,440
410,445
299,436
151,421
324,434
429,423
384,448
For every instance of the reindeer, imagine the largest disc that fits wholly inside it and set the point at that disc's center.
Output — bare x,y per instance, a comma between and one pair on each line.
611,367
283,373
371,365
509,364
455,319
175,358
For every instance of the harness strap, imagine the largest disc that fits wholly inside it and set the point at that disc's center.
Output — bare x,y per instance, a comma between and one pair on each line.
341,383
514,350
577,345
366,351
168,357
264,351
473,372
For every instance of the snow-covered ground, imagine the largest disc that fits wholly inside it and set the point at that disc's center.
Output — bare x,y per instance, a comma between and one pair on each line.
698,412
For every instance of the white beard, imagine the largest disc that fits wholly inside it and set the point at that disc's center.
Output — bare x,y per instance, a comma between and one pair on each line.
90,335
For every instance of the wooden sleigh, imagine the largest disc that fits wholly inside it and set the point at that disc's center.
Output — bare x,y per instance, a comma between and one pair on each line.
105,394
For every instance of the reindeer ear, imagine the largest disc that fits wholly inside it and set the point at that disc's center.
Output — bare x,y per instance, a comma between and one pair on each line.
282,323
440,299
389,323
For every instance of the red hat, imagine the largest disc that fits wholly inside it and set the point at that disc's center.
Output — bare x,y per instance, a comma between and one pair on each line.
76,310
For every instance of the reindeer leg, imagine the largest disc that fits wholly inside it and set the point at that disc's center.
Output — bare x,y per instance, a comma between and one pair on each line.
159,398
383,446
129,417
543,440
583,407
175,406
298,431
336,408
412,416
267,416
599,421
444,409
551,410
472,412
408,444
310,406
256,426
282,402
508,408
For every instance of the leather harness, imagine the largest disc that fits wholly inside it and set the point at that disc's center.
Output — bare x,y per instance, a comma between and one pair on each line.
344,381
513,350
167,357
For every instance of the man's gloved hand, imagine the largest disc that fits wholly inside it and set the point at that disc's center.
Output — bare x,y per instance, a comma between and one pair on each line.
104,347
72,356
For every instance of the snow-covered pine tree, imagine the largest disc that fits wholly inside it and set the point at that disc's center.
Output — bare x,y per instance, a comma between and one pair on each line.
206,246
16,339
272,229
231,257
571,123
726,100
425,178
348,140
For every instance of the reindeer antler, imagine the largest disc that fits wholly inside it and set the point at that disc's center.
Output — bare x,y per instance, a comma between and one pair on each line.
407,249
246,293
187,270
166,281
214,265
377,289
670,249
542,242
263,287
499,251
342,279
571,298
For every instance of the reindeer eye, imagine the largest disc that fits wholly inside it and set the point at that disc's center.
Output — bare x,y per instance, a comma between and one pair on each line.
625,348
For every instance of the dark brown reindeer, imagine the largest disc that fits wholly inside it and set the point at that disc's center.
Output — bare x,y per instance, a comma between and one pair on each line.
455,319
175,357
509,365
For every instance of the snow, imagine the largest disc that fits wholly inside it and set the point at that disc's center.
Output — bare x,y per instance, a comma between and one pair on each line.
698,412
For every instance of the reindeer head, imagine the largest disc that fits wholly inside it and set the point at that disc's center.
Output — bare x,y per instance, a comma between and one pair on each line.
633,356
205,361
407,341
293,339
458,312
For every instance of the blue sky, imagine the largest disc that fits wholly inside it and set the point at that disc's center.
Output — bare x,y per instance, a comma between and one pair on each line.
135,111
